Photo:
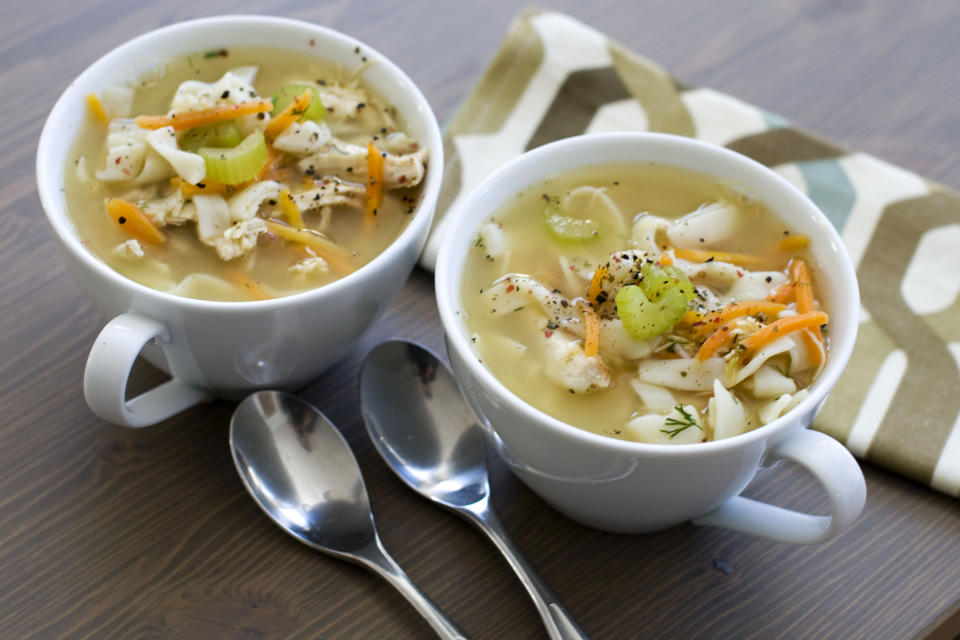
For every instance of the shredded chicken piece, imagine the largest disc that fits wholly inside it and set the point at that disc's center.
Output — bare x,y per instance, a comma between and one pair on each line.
168,210
129,249
513,291
246,204
239,239
309,267
570,367
352,111
330,192
397,142
303,138
349,161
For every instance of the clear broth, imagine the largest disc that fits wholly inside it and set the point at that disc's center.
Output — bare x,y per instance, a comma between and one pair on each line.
183,254
664,191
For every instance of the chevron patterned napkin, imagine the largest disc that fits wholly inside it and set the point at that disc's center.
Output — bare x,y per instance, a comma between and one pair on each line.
898,402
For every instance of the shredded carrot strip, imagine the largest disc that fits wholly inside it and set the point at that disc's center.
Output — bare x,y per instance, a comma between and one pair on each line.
665,260
288,116
804,288
252,288
291,210
716,340
691,318
793,243
736,310
666,354
205,187
333,254
804,293
202,117
267,164
782,294
374,180
591,323
134,221
96,108
782,327
742,259
596,284
813,347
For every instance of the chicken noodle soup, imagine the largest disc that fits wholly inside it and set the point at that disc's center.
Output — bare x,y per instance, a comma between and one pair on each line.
242,174
645,302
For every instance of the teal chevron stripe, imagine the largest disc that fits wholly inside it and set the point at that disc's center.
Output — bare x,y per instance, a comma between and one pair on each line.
774,121
829,188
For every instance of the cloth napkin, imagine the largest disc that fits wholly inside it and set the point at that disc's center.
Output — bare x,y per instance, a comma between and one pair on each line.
898,402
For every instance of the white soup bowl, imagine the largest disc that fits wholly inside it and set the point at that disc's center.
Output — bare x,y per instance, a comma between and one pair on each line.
630,487
214,348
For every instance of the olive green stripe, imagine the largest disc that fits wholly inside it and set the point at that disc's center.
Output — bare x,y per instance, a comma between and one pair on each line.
452,180
491,101
495,96
780,146
915,429
840,411
655,90
680,86
577,102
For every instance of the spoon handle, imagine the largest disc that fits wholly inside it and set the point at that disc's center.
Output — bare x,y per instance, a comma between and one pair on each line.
558,621
376,558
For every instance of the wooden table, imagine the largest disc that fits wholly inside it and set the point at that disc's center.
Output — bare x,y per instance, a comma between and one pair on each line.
114,533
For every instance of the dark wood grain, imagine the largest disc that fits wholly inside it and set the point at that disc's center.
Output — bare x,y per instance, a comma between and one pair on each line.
113,533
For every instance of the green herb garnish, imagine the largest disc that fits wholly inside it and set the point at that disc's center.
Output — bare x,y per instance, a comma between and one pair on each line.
682,424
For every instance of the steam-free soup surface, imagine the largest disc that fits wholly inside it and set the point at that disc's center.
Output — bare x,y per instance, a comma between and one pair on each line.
243,239
645,302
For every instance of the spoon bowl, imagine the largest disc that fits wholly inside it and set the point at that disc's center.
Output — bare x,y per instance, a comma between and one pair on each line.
434,445
424,430
302,473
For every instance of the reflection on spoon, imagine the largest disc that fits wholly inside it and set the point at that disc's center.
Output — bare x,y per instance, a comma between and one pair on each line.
421,425
301,472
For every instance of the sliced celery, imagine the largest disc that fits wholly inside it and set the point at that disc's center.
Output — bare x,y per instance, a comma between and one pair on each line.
239,164
219,134
570,228
655,305
657,280
289,92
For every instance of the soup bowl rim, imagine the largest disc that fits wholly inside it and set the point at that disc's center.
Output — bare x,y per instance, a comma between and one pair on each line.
51,167
467,217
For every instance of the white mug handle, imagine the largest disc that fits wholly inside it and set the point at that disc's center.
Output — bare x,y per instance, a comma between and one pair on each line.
108,369
836,470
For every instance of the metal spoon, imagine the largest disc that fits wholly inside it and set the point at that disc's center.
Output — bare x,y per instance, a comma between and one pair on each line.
421,425
301,472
